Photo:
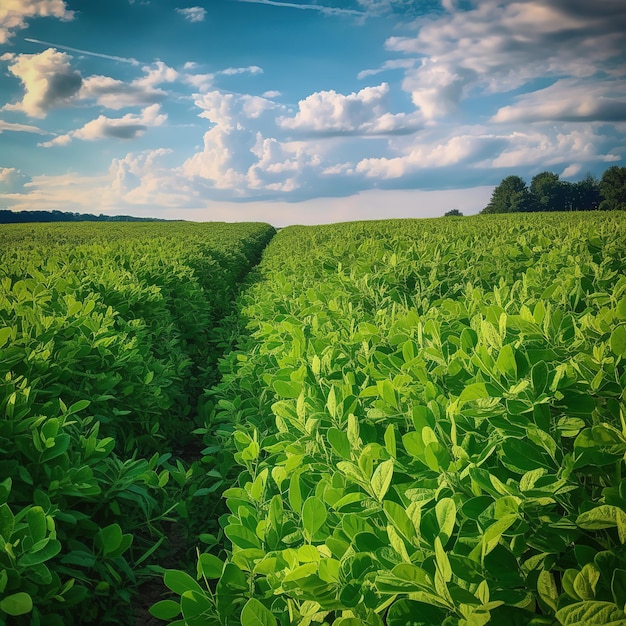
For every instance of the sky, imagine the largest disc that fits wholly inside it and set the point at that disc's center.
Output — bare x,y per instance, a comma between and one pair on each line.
302,111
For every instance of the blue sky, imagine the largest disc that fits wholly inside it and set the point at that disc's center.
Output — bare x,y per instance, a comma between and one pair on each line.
302,112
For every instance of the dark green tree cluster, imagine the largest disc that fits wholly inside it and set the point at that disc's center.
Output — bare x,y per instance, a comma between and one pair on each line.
548,193
18,217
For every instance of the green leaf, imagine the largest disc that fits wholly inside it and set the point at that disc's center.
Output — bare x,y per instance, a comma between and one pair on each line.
523,456
618,340
492,534
37,526
313,515
388,392
7,521
414,444
17,604
506,361
381,479
604,516
287,388
618,586
621,309
165,609
295,493
339,441
81,558
586,581
407,612
591,614
445,511
256,614
48,551
546,587
242,537
390,440
109,538
399,518
210,566
5,333
179,582
442,562
475,391
539,376
195,605
78,406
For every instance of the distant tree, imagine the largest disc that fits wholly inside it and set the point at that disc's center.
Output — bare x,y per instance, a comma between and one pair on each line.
549,193
585,194
510,196
14,217
613,189
453,213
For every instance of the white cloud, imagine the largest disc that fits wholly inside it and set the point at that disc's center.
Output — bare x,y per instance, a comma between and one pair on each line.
205,82
116,94
193,14
569,100
14,13
360,113
272,93
140,184
81,51
233,71
239,157
551,147
571,170
48,78
307,7
12,180
479,149
70,192
21,128
127,127
501,45
422,156
393,64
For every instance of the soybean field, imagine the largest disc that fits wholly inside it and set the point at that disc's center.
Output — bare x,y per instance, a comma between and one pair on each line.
411,422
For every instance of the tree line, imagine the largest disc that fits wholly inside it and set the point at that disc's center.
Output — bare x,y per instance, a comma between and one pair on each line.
18,217
548,193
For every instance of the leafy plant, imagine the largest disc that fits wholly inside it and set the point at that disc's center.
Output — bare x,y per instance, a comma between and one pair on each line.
429,423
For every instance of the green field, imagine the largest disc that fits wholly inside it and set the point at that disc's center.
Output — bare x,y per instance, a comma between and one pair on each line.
413,422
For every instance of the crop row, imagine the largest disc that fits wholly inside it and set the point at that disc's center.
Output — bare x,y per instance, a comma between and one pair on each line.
429,421
107,339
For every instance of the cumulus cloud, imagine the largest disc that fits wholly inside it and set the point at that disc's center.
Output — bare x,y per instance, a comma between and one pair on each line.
116,94
48,78
146,179
359,113
478,149
238,156
501,45
569,100
552,147
193,14
12,180
127,127
464,148
15,13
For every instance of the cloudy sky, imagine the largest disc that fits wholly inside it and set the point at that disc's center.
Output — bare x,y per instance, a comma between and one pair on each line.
302,111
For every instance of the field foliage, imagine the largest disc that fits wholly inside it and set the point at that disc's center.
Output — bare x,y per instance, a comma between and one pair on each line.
428,417
107,339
